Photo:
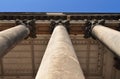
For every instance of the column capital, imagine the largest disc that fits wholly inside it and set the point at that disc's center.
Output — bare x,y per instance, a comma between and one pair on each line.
29,24
89,25
65,23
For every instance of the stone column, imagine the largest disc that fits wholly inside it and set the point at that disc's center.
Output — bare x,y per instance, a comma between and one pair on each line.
10,37
60,60
109,37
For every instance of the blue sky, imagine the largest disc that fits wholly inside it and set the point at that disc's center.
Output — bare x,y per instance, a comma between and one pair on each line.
60,6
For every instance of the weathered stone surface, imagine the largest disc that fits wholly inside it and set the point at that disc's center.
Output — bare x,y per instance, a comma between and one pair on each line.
10,37
109,37
60,61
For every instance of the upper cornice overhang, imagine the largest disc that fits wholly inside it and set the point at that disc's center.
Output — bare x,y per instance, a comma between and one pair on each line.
43,20
57,16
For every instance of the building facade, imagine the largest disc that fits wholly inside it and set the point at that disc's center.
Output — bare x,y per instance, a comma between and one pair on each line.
97,60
